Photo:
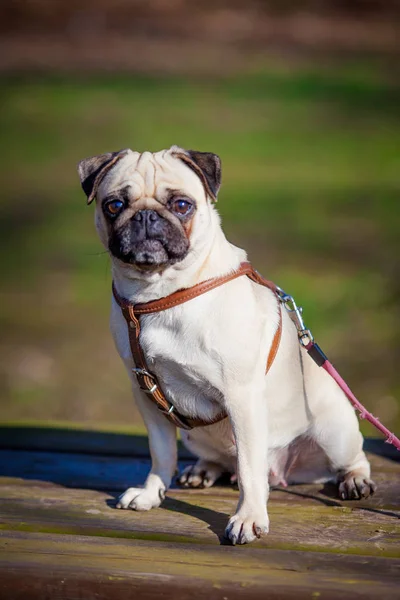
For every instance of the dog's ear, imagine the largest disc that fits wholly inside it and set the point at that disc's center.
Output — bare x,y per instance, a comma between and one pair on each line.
206,165
92,171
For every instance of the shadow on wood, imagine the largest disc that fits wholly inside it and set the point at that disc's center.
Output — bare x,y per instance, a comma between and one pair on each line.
60,535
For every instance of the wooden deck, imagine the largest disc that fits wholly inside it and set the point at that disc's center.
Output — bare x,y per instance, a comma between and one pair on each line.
61,538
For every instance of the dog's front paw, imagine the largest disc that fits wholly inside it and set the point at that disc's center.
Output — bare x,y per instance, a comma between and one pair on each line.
246,526
201,475
140,499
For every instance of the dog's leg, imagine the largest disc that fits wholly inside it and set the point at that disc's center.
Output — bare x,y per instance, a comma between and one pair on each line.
336,430
163,450
247,409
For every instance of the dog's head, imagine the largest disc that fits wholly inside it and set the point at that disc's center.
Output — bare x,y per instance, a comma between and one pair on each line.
150,207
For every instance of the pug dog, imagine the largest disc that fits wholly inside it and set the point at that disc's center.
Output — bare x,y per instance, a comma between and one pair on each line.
155,215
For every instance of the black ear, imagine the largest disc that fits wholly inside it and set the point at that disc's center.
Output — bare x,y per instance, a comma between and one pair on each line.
92,170
210,165
207,166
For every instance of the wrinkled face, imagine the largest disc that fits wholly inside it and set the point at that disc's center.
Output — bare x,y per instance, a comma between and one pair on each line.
147,209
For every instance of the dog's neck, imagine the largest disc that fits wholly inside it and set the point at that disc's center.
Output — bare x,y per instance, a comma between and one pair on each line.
217,257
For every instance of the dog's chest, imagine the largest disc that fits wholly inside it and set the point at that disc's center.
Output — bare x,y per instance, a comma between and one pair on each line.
180,351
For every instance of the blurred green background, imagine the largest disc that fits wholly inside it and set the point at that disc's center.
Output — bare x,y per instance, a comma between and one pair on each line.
310,147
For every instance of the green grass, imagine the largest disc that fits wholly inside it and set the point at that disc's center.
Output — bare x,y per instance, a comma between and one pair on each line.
310,187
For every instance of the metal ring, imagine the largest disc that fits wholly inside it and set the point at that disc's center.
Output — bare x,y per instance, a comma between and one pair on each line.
139,371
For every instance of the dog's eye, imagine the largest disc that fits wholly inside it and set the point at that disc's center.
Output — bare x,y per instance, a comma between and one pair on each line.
181,207
114,207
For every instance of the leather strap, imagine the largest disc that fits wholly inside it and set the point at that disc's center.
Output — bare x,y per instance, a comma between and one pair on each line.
182,296
148,381
255,276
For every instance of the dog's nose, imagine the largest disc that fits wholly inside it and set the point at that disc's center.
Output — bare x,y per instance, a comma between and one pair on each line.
147,216
147,223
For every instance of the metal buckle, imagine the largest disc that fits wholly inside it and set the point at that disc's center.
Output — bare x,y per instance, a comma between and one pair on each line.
296,314
139,371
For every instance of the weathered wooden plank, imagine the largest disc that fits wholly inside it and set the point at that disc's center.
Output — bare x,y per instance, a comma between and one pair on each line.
61,537
100,568
301,517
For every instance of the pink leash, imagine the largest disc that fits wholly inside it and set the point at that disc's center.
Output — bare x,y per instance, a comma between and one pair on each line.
307,341
364,413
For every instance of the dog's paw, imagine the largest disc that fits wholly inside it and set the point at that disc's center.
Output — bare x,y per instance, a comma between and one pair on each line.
201,475
140,499
245,527
355,487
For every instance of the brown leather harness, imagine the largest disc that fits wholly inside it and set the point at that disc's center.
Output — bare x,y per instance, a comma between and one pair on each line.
148,381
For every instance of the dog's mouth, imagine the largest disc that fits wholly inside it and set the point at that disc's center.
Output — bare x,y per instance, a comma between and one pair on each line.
146,254
149,254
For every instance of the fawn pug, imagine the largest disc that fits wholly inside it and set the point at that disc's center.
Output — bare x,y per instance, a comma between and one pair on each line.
155,215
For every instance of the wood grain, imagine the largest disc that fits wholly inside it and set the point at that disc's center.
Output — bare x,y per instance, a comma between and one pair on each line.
62,537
